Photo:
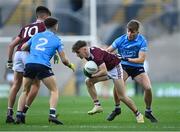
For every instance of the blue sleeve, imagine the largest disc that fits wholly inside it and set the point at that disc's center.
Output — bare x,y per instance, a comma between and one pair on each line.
116,43
144,47
60,46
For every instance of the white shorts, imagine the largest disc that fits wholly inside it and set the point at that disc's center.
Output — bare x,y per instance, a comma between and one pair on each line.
116,72
19,61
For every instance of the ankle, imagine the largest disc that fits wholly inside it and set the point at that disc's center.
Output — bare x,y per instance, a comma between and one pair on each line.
137,113
97,103
148,110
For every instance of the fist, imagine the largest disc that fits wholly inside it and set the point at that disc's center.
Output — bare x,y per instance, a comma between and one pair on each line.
9,64
72,66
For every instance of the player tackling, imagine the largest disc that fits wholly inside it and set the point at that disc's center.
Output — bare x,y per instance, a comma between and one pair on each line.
109,68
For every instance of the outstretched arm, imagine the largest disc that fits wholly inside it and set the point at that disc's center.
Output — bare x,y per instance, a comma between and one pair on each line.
110,49
65,61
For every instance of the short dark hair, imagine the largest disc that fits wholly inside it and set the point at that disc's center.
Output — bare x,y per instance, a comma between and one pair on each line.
133,25
79,44
42,10
50,22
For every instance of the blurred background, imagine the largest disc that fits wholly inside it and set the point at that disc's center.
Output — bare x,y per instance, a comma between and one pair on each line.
100,22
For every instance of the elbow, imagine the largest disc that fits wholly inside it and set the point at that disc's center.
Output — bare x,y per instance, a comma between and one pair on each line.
11,46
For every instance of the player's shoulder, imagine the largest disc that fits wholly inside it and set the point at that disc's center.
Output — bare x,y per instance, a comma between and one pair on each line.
95,49
56,37
141,37
39,24
122,37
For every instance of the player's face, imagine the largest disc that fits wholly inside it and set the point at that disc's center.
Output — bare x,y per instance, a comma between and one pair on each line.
132,34
82,53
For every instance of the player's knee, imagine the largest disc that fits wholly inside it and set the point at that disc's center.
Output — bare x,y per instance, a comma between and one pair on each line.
122,98
15,87
35,88
88,82
147,88
17,84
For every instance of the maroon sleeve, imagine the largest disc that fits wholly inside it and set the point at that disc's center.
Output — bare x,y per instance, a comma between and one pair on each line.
20,34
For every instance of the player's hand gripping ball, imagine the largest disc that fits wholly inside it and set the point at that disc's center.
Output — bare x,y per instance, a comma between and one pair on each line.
90,68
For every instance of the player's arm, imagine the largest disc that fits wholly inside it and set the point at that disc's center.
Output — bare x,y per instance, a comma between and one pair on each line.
11,47
56,58
141,58
102,71
25,47
65,61
110,49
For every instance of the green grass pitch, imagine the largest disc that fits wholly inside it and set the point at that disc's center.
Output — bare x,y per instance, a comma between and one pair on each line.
73,113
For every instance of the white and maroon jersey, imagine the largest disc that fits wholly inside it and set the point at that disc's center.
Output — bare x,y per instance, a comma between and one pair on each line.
28,31
100,56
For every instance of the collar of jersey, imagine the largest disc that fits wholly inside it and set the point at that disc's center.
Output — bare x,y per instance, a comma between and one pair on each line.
49,31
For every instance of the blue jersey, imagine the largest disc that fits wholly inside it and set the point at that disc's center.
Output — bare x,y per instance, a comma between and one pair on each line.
42,48
130,48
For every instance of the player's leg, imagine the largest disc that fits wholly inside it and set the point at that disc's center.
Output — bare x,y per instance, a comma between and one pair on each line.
90,82
143,80
116,98
12,95
20,117
117,109
31,95
18,67
120,88
51,85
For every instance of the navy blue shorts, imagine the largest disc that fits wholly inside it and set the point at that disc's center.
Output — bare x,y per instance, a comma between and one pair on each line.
132,70
38,71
